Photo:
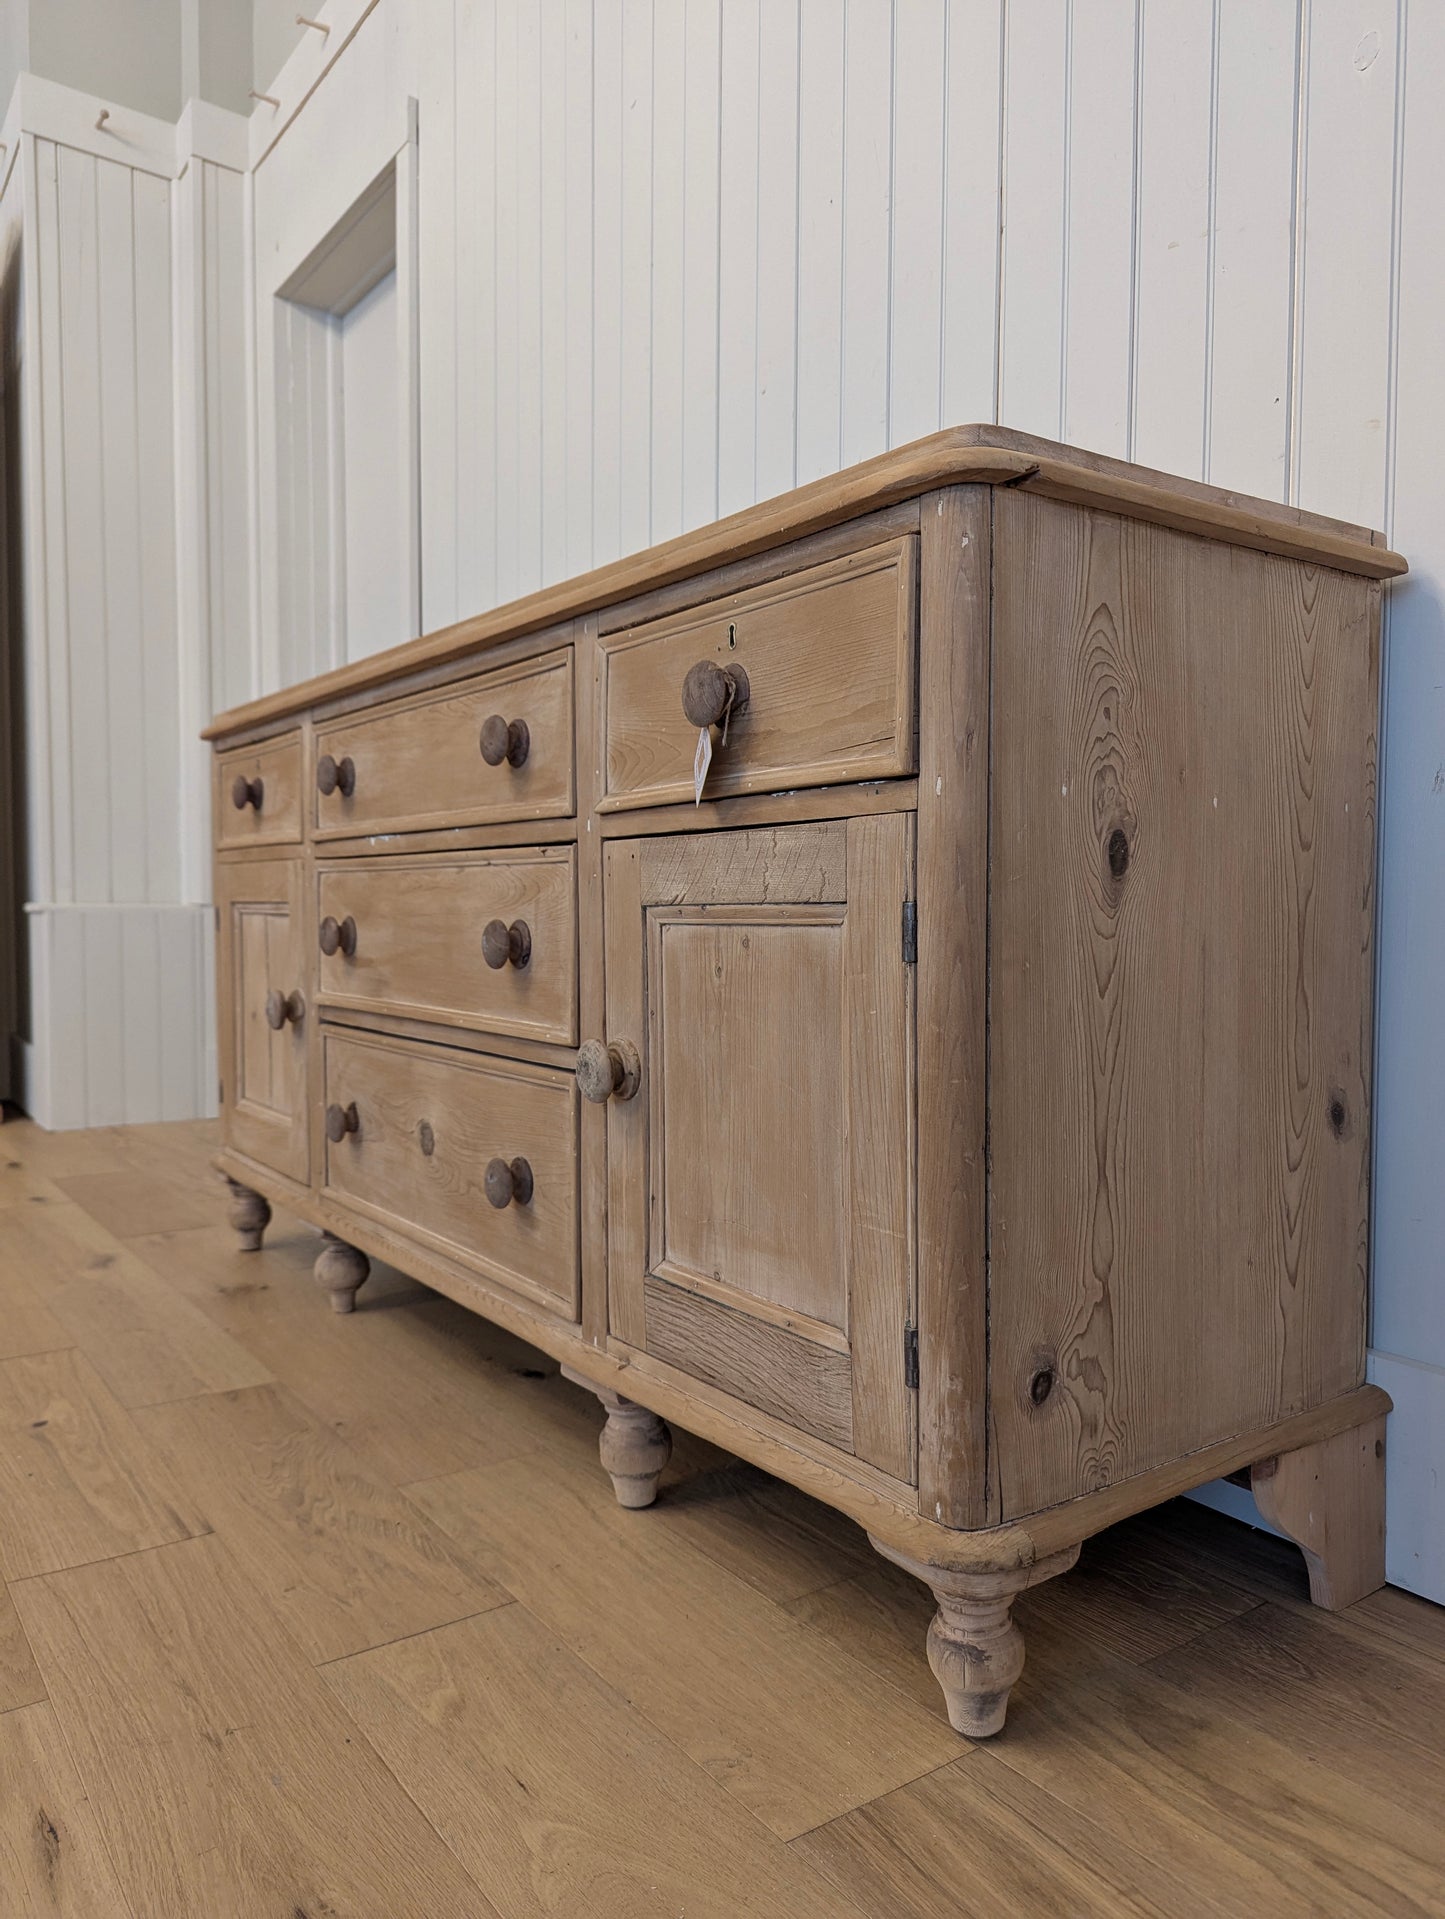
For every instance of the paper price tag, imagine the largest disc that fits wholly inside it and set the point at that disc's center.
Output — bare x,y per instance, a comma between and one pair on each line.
701,761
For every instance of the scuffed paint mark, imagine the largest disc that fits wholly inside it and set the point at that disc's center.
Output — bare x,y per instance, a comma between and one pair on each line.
1437,785
1367,52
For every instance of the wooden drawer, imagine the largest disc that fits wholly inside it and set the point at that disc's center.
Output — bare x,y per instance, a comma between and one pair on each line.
266,779
418,763
419,947
428,1122
829,659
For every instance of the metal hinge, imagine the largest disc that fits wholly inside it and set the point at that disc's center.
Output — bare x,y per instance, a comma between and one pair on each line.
910,932
910,1357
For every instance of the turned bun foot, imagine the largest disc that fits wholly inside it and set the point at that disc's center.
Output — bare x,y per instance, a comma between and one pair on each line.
249,1213
342,1271
975,1650
634,1446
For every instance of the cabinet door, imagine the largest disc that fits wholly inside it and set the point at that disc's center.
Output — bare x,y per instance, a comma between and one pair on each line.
760,1178
263,1013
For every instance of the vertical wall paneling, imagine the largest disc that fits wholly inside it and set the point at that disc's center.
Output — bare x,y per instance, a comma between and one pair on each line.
477,272
554,369
526,291
742,221
406,483
668,260
634,453
510,134
778,174
79,675
1251,297
1099,199
438,30
1408,1191
916,278
1174,250
971,209
1035,257
602,480
867,215
1344,272
577,147
700,288
820,239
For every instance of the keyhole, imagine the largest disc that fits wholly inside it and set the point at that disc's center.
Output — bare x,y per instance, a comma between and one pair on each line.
1118,852
732,636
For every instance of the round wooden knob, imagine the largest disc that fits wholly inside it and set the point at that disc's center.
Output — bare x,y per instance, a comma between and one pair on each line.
341,1120
246,793
501,943
338,936
505,740
608,1072
506,1181
711,692
281,1007
336,776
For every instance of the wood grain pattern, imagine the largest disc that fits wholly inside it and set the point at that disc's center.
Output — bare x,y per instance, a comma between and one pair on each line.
790,1730
796,1380
20,1681
1330,1499
476,1109
224,1777
1206,1801
419,765
1345,1700
342,1559
554,1791
400,1389
753,1168
980,455
829,656
78,1480
419,948
53,1861
953,960
146,1344
27,1323
970,1841
1155,1285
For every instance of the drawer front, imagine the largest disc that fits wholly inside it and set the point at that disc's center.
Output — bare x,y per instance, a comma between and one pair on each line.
829,659
428,1123
419,763
429,931
256,797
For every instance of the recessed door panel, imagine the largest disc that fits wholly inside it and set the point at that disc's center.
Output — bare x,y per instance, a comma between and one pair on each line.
760,1178
264,1013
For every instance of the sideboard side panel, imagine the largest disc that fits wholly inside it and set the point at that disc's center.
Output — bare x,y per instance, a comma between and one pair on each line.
952,987
1182,914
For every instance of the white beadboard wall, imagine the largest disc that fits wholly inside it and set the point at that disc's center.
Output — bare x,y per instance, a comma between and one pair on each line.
119,633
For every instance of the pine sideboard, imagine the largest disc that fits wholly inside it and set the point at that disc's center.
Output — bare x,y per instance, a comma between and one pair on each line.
961,1110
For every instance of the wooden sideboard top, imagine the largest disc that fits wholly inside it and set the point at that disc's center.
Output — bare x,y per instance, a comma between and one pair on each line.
977,455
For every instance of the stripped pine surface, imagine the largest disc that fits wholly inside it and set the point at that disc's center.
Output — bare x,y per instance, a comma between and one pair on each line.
313,1615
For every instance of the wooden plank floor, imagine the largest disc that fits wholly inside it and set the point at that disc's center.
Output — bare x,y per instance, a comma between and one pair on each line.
306,1617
